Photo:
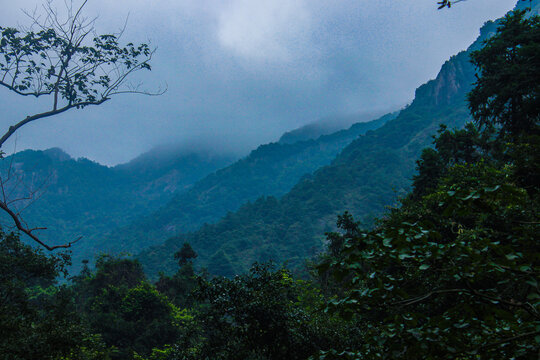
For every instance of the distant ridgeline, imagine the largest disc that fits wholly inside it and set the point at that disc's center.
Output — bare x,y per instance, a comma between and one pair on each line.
272,169
333,124
366,176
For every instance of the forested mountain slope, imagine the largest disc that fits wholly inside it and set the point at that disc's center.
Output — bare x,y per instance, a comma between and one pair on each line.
271,169
78,197
366,176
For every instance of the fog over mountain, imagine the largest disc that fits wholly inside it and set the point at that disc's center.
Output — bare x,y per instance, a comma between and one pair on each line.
240,73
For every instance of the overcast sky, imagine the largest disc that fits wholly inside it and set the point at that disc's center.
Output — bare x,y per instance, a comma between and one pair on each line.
241,72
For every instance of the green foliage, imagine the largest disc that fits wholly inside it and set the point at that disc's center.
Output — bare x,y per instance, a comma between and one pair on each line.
178,287
185,254
464,146
83,74
37,320
430,168
454,273
526,161
264,314
506,92
129,313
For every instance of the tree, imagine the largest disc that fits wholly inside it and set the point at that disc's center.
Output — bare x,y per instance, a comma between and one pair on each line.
178,287
120,305
464,146
185,254
506,93
37,319
65,61
452,275
448,3
264,314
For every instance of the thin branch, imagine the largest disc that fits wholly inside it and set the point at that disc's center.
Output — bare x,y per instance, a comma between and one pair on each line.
28,232
418,299
33,93
526,306
75,18
28,119
513,338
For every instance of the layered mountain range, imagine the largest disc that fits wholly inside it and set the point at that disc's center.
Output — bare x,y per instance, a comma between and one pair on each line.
366,176
78,197
166,190
274,204
270,170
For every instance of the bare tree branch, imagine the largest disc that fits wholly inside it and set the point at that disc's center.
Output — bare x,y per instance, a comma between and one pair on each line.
28,119
512,303
19,225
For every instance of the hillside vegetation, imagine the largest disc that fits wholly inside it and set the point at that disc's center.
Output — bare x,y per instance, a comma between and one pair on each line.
272,169
78,197
368,175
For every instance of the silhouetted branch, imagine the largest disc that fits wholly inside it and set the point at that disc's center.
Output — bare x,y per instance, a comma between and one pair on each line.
46,114
16,219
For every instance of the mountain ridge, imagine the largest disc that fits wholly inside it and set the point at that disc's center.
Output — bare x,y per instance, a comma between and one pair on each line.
80,197
367,175
271,169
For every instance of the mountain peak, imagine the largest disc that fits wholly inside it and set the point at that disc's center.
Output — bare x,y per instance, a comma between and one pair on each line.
57,154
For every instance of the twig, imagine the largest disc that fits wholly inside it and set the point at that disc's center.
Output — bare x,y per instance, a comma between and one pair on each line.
28,232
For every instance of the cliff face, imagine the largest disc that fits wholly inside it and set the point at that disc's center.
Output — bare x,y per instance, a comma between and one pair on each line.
457,74
454,80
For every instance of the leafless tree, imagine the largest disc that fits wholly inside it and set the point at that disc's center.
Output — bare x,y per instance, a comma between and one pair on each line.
61,57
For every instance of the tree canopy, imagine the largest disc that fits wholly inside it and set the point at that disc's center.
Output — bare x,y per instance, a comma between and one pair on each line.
506,92
453,272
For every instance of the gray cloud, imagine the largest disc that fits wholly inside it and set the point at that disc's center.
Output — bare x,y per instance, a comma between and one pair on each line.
241,72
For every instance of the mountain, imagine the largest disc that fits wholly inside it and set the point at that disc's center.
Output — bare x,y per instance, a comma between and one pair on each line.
78,197
368,175
328,126
169,169
271,169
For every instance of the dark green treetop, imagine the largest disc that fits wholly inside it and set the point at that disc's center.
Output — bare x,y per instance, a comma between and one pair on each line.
507,89
454,272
